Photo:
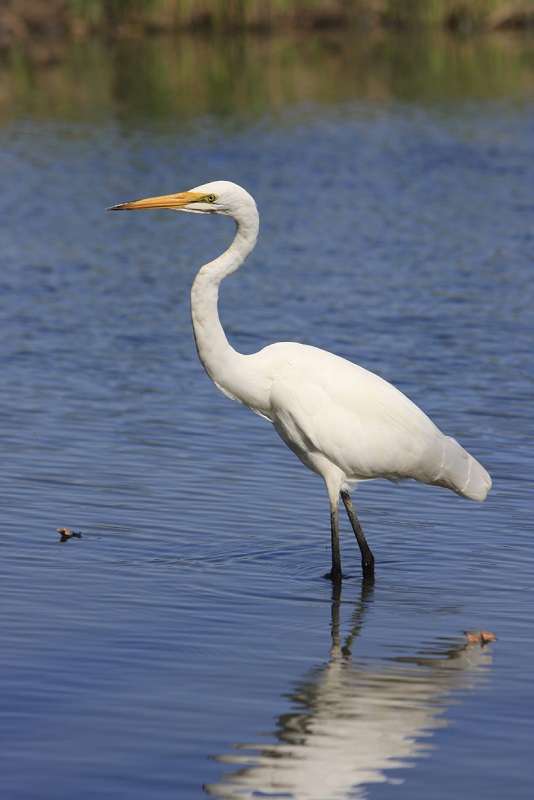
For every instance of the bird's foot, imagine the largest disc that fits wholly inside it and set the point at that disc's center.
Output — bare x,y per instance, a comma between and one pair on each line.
368,565
368,578
334,575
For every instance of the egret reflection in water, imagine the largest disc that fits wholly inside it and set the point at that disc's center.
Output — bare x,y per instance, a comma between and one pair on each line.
353,720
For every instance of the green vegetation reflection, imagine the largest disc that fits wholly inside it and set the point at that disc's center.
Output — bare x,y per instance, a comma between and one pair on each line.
228,75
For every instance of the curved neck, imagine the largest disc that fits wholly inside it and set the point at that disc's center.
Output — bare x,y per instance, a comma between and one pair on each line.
222,363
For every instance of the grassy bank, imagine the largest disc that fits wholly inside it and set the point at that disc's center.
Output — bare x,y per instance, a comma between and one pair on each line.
22,19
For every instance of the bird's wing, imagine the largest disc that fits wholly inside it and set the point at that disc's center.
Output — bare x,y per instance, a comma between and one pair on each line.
320,403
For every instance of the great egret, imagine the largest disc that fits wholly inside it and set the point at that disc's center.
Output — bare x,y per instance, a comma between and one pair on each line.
343,422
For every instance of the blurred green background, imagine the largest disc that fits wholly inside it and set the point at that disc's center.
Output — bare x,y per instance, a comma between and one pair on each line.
86,58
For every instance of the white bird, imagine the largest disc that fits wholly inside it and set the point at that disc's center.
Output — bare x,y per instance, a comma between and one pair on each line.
345,423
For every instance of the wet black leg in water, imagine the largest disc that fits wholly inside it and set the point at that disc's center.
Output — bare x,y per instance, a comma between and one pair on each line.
368,560
335,575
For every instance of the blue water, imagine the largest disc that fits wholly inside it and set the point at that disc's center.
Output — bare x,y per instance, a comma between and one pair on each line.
186,645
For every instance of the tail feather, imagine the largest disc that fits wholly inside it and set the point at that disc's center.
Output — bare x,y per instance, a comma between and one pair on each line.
462,473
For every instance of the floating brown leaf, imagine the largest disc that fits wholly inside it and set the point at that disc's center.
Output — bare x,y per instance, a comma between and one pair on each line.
67,534
482,637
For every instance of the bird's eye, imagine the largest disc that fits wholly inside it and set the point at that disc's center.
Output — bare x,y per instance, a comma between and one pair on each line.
210,198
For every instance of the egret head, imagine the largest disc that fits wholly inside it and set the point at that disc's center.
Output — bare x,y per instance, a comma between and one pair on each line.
218,197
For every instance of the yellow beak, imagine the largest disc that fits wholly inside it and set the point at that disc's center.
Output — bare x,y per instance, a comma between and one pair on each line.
176,201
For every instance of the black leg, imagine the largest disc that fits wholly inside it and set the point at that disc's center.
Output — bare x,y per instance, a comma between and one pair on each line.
335,575
368,560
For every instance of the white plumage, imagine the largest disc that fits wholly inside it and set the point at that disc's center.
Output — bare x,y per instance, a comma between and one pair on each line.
343,422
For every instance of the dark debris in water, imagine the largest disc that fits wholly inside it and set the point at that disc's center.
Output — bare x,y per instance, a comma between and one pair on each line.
67,534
